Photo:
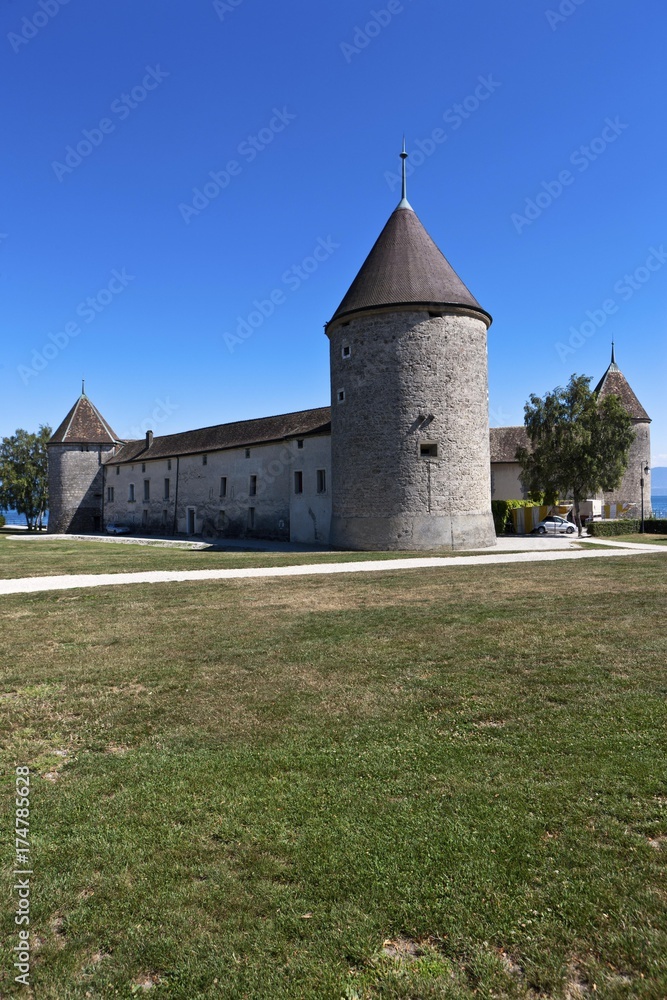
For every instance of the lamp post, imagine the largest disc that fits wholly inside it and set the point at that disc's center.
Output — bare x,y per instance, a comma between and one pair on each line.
644,472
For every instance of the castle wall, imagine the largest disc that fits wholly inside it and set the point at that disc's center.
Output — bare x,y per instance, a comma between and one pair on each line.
76,479
506,482
310,510
412,381
197,502
629,491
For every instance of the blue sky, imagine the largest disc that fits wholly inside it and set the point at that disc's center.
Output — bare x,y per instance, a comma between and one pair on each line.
189,190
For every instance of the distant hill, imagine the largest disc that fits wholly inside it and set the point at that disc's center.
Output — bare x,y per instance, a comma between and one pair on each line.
659,479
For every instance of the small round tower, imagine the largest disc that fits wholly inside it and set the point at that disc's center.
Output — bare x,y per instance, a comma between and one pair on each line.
629,491
76,453
409,400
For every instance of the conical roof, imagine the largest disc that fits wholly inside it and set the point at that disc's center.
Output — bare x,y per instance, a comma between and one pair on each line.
405,267
84,424
614,382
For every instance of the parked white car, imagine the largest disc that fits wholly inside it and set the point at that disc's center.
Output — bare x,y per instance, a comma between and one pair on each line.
554,524
117,529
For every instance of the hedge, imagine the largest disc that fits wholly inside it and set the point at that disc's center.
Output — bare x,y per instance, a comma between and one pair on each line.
501,512
627,526
2,521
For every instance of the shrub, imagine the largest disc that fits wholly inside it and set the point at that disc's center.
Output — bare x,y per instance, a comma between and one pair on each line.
501,512
622,526
2,521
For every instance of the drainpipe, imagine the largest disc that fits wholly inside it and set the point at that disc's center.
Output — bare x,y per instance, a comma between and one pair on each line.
175,527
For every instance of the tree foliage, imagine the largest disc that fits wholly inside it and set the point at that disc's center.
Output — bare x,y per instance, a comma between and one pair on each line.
579,444
24,474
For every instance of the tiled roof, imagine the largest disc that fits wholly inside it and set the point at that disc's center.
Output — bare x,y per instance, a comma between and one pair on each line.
614,382
504,442
405,267
240,434
84,424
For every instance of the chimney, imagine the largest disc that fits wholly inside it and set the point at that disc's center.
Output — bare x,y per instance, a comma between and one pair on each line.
149,438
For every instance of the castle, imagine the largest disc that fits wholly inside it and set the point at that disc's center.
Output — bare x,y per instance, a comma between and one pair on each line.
402,459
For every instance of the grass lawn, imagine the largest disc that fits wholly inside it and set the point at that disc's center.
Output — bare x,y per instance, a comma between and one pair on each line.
404,786
644,539
46,557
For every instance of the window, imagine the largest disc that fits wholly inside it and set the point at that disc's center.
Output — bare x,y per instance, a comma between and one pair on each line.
143,466
144,519
346,351
168,465
204,460
166,489
251,517
110,494
321,480
223,486
298,482
130,493
428,449
341,395
252,488
118,470
222,521
164,519
247,453
299,442
147,489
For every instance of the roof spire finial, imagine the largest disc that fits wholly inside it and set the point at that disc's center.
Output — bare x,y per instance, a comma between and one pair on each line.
404,203
83,387
613,358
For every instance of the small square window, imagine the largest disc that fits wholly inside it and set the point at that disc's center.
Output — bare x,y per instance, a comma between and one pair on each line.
321,480
428,449
223,486
346,351
299,443
252,488
341,395
143,466
118,470
298,482
168,465
247,453
204,460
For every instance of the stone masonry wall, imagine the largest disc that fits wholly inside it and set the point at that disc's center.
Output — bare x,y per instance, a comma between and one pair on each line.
629,490
410,379
75,487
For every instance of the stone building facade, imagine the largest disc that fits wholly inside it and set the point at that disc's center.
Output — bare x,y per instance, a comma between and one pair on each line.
403,459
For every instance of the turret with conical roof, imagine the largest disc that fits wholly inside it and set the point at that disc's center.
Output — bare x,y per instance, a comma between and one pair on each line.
630,489
76,452
409,396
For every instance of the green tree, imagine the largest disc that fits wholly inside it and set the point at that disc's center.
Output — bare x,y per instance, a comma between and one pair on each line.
24,475
579,444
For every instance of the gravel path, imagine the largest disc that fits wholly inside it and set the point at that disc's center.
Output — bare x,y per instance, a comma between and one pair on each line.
38,584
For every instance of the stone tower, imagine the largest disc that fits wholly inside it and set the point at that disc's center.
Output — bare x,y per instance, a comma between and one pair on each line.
630,489
409,400
76,473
